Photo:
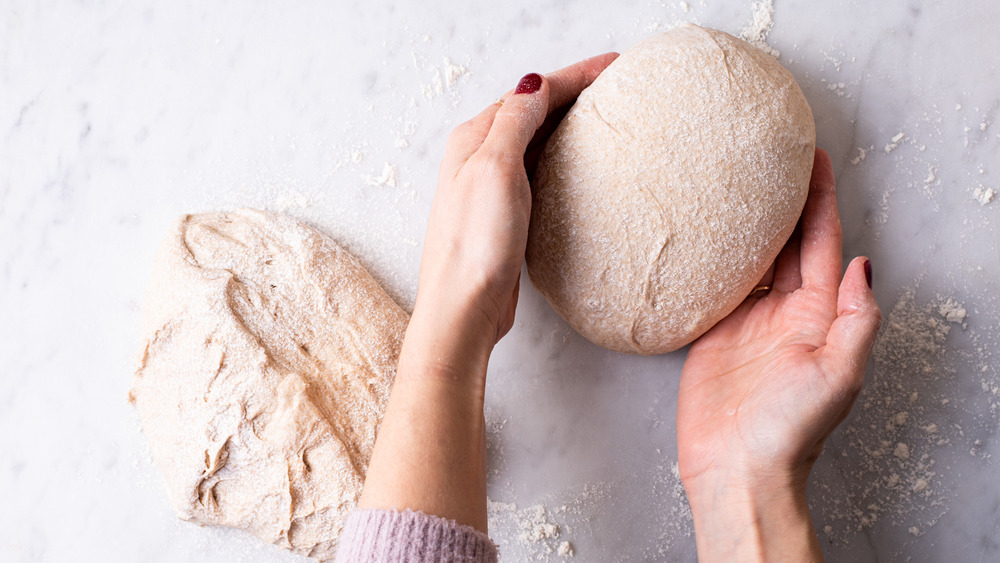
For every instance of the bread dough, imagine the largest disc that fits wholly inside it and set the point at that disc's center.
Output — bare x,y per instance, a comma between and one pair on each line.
267,361
668,189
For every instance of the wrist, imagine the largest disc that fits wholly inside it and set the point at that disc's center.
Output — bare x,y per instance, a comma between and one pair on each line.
760,518
449,338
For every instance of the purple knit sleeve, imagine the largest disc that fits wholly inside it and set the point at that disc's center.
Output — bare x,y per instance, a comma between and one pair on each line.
412,537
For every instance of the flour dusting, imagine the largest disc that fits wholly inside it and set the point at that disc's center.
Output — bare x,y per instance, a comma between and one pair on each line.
983,195
896,140
543,531
389,177
755,33
900,426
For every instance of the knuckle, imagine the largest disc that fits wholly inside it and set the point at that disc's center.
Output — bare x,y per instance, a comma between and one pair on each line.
460,133
874,314
876,319
494,164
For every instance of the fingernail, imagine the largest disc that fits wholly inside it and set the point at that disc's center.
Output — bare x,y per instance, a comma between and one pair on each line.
868,273
529,84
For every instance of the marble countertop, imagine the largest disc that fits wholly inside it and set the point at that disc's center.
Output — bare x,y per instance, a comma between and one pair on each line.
117,116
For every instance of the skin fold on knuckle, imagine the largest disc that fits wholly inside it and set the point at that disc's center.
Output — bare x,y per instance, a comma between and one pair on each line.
496,167
869,313
528,113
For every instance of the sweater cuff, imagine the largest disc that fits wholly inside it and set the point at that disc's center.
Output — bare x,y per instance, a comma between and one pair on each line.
391,536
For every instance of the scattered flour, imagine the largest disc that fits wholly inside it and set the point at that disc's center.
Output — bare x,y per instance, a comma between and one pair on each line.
983,195
952,311
435,87
452,72
535,526
896,140
862,153
389,177
839,88
902,451
545,530
442,77
675,520
756,32
538,535
289,200
892,442
565,549
931,175
835,61
403,137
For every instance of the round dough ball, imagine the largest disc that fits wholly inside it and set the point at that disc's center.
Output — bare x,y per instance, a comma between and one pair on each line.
668,190
268,356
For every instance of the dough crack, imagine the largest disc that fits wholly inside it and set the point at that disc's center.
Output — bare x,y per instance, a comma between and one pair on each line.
597,113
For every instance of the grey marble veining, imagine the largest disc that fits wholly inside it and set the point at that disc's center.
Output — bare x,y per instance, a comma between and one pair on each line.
117,116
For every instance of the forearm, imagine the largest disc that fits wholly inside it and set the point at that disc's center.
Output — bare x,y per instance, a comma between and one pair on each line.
738,522
430,454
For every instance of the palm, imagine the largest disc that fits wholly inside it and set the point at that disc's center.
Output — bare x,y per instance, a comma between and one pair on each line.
768,384
743,381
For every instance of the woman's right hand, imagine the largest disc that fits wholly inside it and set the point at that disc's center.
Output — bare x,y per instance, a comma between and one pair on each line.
763,389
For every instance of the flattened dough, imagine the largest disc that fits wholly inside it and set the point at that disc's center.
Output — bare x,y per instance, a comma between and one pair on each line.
668,190
269,353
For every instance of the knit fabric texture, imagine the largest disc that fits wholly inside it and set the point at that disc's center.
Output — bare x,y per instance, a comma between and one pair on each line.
412,537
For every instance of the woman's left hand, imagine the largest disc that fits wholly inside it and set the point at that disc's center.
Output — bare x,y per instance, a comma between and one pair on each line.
478,228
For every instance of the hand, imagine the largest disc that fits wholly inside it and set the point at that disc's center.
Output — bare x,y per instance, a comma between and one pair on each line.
478,227
763,389
430,454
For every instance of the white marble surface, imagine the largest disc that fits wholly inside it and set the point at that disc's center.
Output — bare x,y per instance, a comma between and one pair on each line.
117,116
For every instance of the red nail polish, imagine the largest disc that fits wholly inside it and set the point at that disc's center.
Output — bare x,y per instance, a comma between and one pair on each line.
868,273
529,84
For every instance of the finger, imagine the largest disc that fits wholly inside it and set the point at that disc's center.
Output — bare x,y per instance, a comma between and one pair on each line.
852,334
787,277
524,112
820,259
521,114
466,139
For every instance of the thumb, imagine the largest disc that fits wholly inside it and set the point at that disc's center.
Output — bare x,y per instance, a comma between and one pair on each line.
521,114
852,335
